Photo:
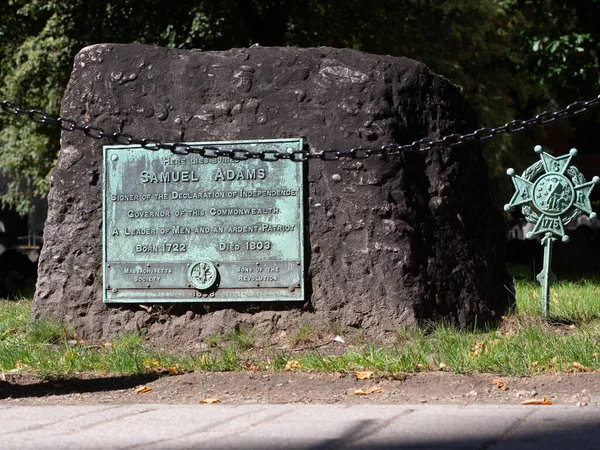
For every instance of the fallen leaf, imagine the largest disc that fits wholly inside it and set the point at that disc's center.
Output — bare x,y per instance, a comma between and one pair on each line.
580,367
374,389
500,385
151,363
534,401
479,349
370,390
210,401
153,366
363,375
68,355
143,390
292,364
20,366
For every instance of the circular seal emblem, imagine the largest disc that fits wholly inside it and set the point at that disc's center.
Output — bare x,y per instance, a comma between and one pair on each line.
553,194
202,275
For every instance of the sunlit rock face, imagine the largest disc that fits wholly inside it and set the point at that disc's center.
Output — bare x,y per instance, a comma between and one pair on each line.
390,241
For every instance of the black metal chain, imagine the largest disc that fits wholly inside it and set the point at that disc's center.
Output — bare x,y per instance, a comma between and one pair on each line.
180,148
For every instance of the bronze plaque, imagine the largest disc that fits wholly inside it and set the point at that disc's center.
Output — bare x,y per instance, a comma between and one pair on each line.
189,228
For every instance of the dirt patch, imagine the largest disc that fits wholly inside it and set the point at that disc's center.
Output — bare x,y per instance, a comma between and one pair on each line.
300,387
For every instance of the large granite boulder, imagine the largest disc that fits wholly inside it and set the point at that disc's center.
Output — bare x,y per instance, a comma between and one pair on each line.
391,240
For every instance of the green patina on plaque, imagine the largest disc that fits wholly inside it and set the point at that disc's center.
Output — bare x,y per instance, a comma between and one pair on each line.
551,194
184,228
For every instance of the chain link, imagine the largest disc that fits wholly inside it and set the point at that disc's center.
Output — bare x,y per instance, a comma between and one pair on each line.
241,154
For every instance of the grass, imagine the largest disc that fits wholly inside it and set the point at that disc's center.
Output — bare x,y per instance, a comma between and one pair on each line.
524,344
570,301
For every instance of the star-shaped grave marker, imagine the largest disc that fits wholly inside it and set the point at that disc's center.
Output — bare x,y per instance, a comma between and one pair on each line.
551,194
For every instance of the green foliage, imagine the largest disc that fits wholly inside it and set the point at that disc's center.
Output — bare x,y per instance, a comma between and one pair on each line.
563,40
46,332
567,302
511,57
304,334
241,338
128,354
525,344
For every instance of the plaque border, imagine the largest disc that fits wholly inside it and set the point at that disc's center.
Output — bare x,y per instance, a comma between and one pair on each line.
281,294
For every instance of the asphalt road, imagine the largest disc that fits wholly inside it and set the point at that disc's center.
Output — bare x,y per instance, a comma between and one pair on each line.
294,426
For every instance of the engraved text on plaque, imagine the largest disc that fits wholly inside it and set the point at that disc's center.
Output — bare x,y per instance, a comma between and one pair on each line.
184,228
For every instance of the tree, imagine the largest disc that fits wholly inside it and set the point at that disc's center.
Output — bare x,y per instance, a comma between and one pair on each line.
511,57
38,41
562,44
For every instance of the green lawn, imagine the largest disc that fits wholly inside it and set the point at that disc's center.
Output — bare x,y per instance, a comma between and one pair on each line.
523,344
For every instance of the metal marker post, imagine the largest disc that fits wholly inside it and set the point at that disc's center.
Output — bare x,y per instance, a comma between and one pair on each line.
551,194
546,277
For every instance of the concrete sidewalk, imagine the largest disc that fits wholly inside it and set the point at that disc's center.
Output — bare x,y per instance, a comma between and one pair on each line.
298,427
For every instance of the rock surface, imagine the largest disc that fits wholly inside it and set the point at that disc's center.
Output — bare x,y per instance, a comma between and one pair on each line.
392,241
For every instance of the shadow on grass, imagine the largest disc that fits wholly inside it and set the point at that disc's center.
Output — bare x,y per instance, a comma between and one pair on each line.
525,272
28,387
